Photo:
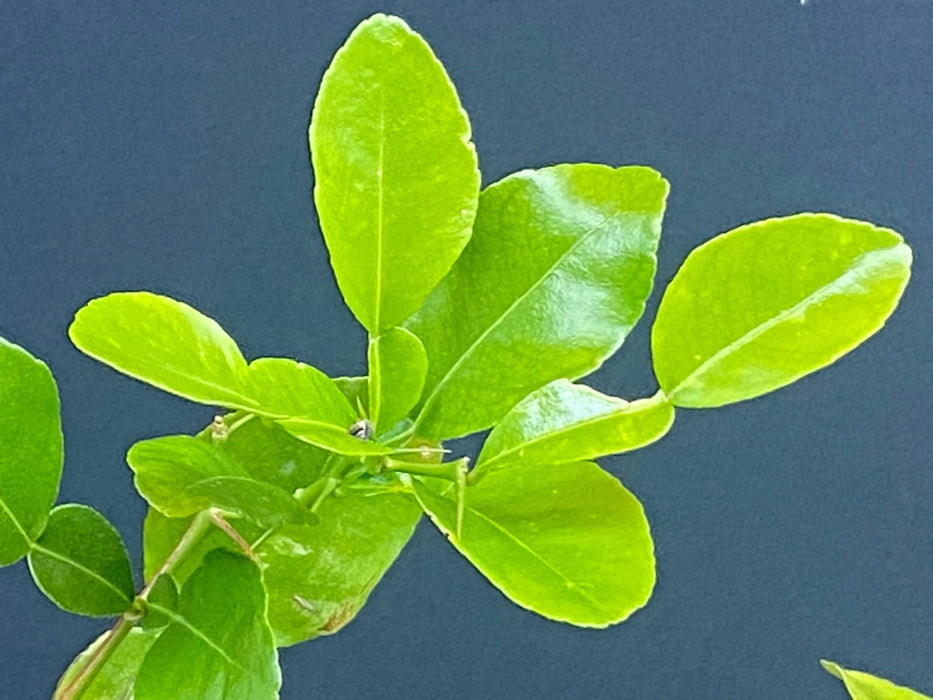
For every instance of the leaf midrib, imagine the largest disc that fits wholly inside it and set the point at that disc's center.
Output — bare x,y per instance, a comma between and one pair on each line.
859,264
573,585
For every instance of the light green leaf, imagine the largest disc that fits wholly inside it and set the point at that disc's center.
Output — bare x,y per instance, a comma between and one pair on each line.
31,449
308,404
165,343
760,306
165,467
264,504
319,576
863,686
563,422
81,565
115,679
567,541
396,179
219,645
181,475
269,453
397,365
174,347
556,274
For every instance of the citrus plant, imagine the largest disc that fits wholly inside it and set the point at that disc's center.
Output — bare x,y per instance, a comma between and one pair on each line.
483,309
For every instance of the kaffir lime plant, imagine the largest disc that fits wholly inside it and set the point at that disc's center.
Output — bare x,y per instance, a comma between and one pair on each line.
483,308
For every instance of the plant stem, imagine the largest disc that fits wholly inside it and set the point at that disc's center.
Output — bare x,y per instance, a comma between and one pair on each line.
126,622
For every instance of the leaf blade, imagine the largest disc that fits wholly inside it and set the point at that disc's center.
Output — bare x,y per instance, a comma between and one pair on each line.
31,449
864,686
561,262
566,422
81,564
788,296
396,178
568,542
398,366
165,343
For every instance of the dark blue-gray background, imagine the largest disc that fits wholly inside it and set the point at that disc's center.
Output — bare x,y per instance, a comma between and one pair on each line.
162,146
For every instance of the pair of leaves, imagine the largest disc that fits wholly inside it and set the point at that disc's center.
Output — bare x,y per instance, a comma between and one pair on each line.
181,475
76,557
864,686
216,645
172,346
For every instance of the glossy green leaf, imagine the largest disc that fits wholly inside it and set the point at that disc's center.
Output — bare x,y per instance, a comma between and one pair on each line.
863,686
176,348
264,504
219,645
165,467
760,306
563,422
165,343
398,365
116,678
311,406
269,453
396,179
81,565
31,449
557,272
319,576
181,475
567,541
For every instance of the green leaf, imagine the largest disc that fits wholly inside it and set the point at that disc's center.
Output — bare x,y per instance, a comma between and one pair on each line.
115,679
310,404
760,306
269,453
863,686
165,467
396,179
319,576
398,365
557,272
31,449
81,565
176,348
563,422
567,541
181,475
264,504
219,645
165,343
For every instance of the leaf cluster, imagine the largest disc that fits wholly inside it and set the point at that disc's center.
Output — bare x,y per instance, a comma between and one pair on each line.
484,309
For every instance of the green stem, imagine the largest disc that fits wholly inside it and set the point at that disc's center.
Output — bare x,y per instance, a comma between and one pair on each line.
126,622
445,470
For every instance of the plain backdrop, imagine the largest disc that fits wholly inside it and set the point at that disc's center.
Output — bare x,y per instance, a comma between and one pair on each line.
162,146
